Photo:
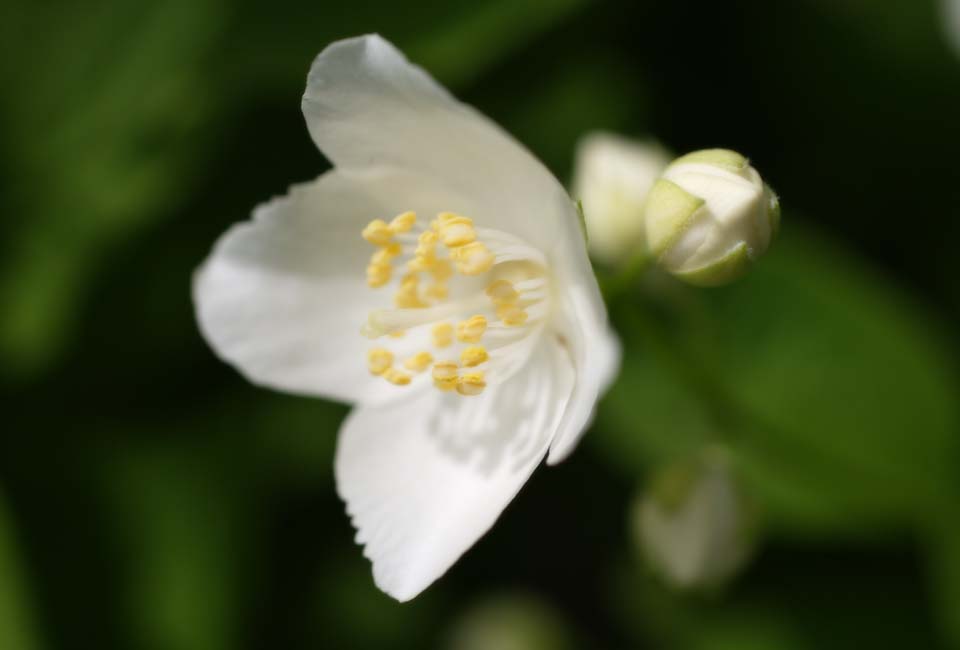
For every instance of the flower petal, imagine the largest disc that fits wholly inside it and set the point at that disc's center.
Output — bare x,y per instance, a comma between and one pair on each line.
425,478
594,348
283,296
367,106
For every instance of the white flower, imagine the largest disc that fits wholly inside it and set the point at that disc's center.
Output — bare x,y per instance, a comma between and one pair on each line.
612,176
484,338
695,525
710,217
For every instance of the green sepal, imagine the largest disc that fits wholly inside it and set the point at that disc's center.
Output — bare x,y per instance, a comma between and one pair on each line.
669,211
727,269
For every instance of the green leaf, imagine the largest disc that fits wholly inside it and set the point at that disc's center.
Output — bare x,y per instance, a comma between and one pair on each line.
830,385
16,623
180,549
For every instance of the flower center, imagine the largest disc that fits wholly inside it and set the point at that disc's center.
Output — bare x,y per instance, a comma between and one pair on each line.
466,303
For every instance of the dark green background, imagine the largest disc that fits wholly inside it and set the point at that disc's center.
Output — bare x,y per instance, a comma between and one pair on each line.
150,498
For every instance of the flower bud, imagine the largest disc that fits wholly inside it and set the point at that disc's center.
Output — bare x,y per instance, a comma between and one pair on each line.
694,524
710,216
612,176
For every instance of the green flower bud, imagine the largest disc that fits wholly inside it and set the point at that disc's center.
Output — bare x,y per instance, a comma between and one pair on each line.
612,176
710,216
694,525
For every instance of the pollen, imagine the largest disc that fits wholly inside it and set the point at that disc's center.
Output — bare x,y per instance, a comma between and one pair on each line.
377,232
436,291
385,254
473,356
396,377
379,360
445,375
398,334
378,275
442,335
418,362
511,315
442,270
502,292
473,258
403,222
456,231
472,329
471,383
408,295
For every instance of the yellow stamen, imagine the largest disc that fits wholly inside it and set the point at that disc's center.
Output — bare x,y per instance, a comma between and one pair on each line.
471,383
378,275
418,362
502,292
377,232
437,291
386,253
511,315
441,270
473,356
442,335
472,259
408,295
399,334
403,222
457,231
379,360
472,329
396,377
445,375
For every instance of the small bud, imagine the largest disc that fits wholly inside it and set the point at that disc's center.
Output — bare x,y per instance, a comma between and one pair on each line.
694,524
710,216
612,176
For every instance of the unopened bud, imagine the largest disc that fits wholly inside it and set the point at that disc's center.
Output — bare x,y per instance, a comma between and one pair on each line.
612,176
694,524
710,216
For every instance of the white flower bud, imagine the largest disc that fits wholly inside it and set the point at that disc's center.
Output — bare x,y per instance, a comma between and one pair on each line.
694,524
951,22
612,176
710,216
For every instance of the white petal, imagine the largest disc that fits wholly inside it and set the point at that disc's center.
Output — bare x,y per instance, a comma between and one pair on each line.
423,479
594,349
366,105
283,297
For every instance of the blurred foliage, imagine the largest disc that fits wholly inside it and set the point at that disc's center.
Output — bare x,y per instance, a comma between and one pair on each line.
835,394
158,501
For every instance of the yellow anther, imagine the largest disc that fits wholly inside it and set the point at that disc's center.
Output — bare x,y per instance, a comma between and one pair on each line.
377,232
399,334
473,356
406,298
403,222
418,362
386,253
426,242
472,259
511,315
441,270
379,360
472,329
408,295
436,291
457,231
445,375
396,377
442,335
502,292
471,383
378,275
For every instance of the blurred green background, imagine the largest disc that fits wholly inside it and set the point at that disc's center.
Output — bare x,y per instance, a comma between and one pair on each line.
150,498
